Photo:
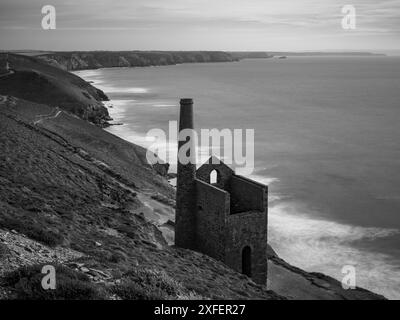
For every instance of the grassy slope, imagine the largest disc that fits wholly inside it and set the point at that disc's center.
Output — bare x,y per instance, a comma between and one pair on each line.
125,160
39,82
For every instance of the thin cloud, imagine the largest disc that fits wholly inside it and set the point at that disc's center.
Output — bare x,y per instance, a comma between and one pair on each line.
280,20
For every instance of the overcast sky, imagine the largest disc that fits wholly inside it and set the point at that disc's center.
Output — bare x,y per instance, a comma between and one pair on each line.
200,25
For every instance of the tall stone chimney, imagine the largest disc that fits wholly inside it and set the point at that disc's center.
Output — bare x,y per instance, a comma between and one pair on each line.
185,216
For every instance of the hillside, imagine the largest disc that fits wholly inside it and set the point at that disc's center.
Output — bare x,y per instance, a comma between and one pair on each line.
77,197
63,89
53,194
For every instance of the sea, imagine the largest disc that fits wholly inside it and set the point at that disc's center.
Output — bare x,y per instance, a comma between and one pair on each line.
326,141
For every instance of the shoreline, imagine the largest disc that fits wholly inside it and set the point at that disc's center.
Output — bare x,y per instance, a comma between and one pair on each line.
276,213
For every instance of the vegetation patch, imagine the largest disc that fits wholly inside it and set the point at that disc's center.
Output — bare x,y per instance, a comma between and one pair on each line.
26,284
148,284
3,251
32,230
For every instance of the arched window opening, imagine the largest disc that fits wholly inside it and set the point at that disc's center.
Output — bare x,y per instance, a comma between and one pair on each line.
214,177
246,261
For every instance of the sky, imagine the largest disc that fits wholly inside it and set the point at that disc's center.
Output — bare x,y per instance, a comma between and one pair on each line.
231,25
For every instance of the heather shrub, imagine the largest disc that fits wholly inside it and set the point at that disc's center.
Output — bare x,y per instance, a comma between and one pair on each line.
147,284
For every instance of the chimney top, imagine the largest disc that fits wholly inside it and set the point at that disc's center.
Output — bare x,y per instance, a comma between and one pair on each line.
187,101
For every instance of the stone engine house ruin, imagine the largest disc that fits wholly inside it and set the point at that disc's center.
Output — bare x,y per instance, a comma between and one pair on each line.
227,218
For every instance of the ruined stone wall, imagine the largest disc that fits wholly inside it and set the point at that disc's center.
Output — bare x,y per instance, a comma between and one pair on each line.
247,195
248,229
212,208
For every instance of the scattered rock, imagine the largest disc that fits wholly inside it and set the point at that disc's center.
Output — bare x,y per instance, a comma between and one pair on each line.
169,223
22,251
26,190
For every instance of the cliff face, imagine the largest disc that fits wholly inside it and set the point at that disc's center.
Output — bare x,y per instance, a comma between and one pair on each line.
108,59
31,77
250,55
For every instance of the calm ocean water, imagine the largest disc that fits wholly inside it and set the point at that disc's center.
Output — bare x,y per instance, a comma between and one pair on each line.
327,141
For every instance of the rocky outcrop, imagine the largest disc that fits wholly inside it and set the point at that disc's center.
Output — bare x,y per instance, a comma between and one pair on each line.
161,168
297,284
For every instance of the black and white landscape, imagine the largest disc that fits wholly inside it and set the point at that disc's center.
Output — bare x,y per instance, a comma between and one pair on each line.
85,215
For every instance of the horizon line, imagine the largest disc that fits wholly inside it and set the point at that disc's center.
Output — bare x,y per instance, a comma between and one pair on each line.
370,51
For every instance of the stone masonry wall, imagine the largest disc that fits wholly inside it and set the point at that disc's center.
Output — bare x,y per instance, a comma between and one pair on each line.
246,195
248,229
212,206
224,172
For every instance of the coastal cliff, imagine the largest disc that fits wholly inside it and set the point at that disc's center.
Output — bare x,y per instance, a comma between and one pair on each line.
79,198
108,59
31,77
82,60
